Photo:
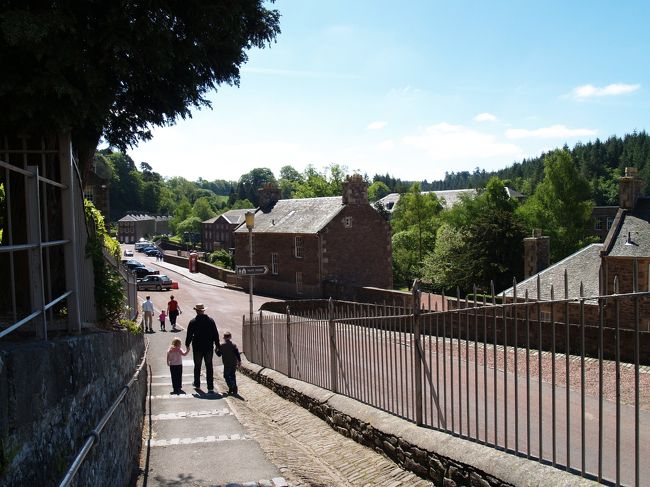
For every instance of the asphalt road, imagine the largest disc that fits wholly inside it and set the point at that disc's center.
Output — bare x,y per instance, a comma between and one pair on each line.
194,438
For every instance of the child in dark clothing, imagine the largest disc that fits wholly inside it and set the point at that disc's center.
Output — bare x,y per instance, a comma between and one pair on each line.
229,354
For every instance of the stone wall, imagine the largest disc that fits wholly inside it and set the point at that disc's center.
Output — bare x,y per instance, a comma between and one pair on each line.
53,394
439,457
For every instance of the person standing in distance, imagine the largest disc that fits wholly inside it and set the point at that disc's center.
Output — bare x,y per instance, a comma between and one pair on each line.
203,337
147,310
173,310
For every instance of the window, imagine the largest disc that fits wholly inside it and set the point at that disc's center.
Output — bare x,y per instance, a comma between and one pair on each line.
274,263
299,250
598,224
299,283
545,315
610,220
347,222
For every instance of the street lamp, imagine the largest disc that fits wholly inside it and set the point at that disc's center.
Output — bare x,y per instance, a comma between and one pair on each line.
250,224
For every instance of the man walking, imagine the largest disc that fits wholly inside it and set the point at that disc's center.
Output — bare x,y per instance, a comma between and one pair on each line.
147,311
203,336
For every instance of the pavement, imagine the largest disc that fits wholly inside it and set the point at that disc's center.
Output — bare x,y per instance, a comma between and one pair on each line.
253,439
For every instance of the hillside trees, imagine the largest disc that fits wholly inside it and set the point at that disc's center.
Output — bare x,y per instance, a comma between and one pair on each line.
116,69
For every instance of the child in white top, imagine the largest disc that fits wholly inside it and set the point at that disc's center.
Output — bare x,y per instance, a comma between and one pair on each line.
175,356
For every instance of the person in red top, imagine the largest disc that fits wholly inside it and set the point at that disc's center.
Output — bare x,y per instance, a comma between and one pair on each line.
173,310
175,356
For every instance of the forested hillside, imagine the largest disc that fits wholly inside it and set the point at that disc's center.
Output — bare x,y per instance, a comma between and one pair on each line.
599,162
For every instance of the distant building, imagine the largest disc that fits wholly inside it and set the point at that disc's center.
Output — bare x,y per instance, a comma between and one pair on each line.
218,232
603,217
449,197
134,226
308,243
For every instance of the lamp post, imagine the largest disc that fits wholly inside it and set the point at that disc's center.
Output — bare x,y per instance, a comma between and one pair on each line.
250,224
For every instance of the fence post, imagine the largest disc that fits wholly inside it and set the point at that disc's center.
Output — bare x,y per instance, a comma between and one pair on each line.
419,355
288,342
332,332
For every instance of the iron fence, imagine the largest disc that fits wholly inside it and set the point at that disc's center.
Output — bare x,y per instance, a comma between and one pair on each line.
573,393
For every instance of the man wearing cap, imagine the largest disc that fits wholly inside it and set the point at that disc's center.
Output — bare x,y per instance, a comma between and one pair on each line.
203,337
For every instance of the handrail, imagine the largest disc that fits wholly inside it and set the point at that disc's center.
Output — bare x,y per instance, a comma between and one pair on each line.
94,435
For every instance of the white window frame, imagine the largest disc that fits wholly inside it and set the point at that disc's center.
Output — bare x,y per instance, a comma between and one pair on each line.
299,283
610,222
274,263
598,225
347,222
299,247
545,316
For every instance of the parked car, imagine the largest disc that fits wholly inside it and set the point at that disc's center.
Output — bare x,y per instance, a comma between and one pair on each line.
131,264
141,245
141,272
154,282
152,251
128,253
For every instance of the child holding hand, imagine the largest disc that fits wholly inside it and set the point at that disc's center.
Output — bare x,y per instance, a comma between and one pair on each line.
175,356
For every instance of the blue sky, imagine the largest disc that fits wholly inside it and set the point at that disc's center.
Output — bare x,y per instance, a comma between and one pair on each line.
419,88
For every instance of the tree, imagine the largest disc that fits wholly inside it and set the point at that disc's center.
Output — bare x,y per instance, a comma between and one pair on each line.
377,191
250,183
419,211
561,205
481,242
115,69
202,209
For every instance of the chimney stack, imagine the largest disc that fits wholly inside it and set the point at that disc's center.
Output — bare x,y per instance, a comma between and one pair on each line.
630,188
269,194
537,253
355,191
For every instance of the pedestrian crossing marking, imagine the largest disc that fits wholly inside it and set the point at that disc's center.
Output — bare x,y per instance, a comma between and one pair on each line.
192,414
199,439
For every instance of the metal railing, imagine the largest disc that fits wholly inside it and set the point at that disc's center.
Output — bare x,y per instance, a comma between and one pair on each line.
558,391
43,238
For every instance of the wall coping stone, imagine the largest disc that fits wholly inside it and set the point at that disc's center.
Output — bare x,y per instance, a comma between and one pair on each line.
506,467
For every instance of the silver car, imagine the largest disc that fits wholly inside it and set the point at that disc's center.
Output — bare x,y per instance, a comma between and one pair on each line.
154,283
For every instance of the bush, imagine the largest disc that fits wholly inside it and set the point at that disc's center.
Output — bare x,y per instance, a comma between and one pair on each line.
222,258
133,327
109,292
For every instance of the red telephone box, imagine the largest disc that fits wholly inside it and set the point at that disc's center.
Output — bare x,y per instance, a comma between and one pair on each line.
193,262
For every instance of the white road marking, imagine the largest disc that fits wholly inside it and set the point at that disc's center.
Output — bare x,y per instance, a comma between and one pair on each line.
192,414
200,439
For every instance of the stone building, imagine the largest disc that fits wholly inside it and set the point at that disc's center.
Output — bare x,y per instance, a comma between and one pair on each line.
313,242
134,226
598,265
218,232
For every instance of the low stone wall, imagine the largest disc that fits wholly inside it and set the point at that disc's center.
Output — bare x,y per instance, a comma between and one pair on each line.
439,457
225,275
52,395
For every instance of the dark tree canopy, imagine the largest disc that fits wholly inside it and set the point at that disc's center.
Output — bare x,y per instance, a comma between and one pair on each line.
114,69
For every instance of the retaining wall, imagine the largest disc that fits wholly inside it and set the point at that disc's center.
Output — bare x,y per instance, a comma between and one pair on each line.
52,395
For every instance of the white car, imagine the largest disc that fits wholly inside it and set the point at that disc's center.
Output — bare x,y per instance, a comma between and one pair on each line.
128,253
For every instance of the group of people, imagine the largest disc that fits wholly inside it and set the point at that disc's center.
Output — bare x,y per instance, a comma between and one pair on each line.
203,339
172,311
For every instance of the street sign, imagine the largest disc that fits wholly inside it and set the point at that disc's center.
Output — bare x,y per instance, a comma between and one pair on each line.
251,270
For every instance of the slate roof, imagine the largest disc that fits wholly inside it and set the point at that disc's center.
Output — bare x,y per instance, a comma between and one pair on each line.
583,266
131,217
236,216
631,238
302,216
451,196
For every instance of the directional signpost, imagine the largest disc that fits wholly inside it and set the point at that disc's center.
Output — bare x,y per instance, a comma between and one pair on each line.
251,270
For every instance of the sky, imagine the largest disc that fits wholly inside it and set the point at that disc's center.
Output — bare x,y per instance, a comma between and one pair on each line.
419,88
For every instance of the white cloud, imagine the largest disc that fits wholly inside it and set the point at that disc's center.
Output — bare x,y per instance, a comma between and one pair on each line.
552,132
590,91
445,142
377,125
485,117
